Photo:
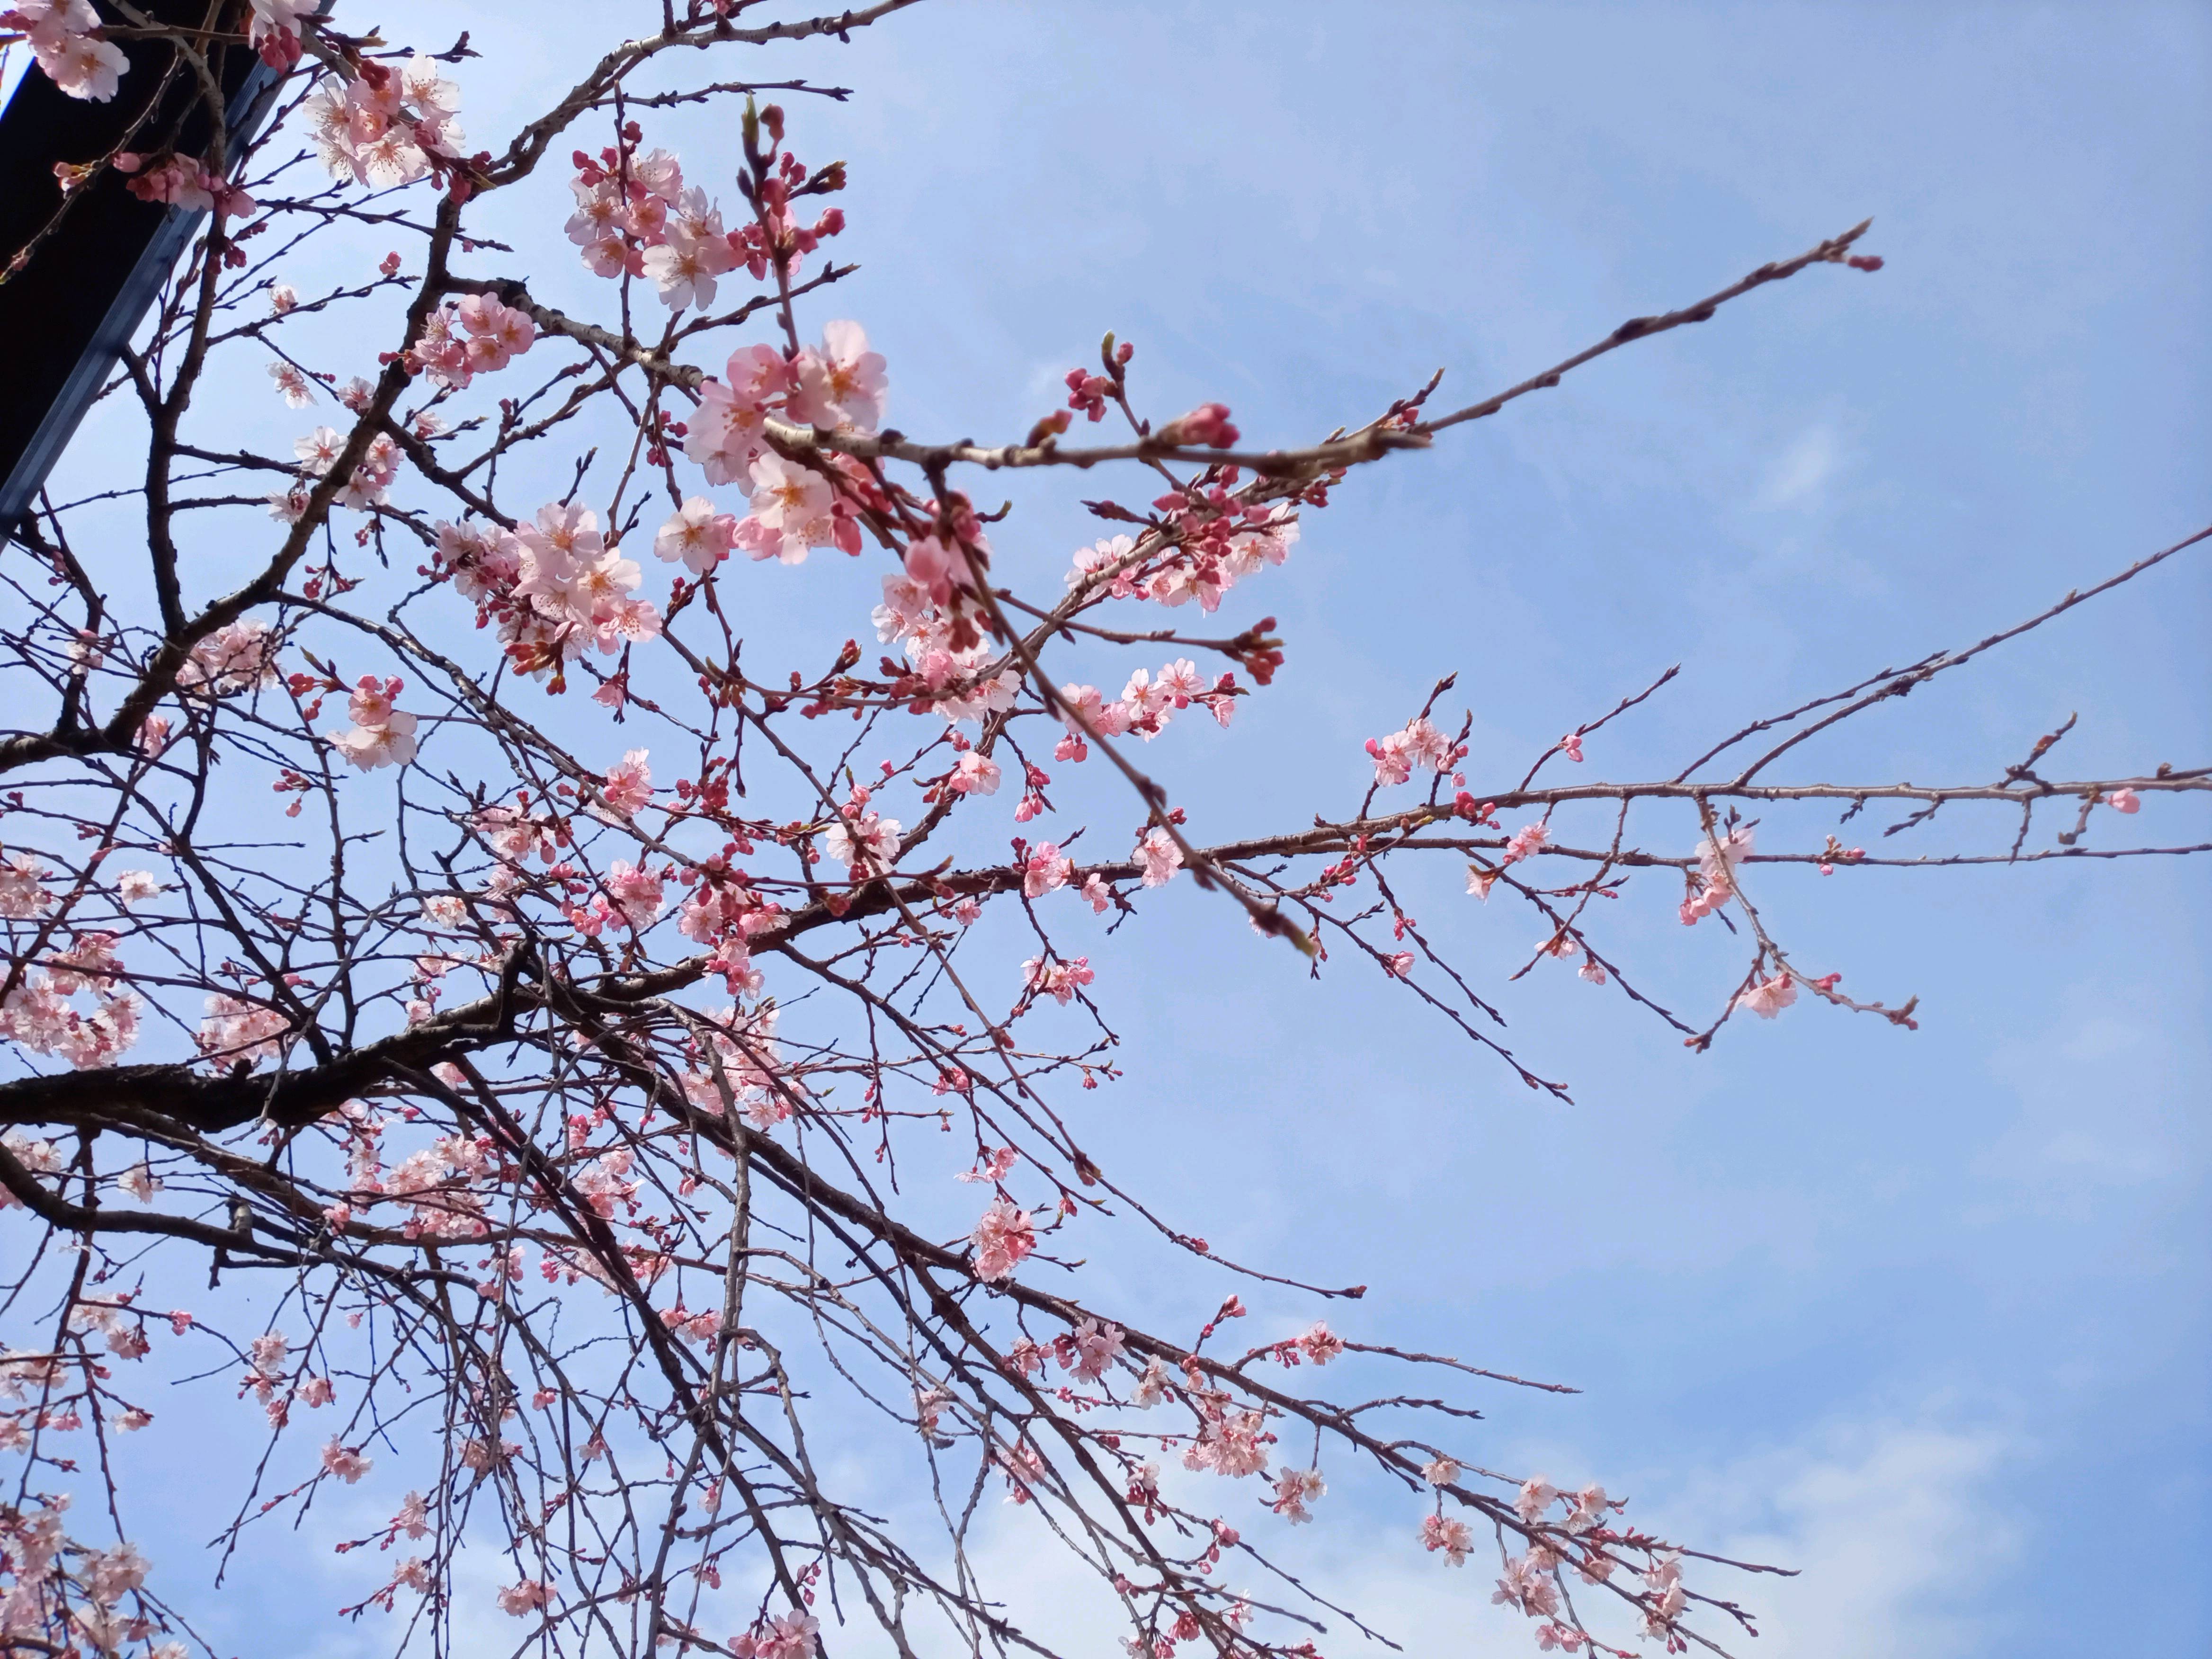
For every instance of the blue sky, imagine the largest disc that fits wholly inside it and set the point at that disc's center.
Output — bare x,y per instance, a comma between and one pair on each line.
1922,1314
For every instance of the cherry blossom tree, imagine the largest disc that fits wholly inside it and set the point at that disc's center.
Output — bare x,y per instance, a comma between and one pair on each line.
568,998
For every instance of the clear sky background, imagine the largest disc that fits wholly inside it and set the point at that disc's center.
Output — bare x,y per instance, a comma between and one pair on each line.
1924,1315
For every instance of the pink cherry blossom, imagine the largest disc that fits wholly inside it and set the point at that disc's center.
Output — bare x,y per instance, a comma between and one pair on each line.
725,432
1535,1496
785,1636
627,788
1418,744
842,385
1526,842
51,21
140,1182
974,774
634,891
1093,1349
112,1574
293,384
791,511
931,567
1088,392
1160,857
23,892
1717,859
153,736
1455,1538
236,1030
695,250
236,657
274,32
497,333
1058,980
1231,1444
1592,1509
1526,1586
1002,1238
1769,997
1665,1598
382,734
136,887
414,1517
525,1597
82,66
1044,869
994,1169
1207,425
344,1462
1100,556
697,534
863,839
1294,1490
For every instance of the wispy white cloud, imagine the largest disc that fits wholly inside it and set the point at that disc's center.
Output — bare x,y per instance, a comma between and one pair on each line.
1890,1527
1799,477
1888,1522
2105,1103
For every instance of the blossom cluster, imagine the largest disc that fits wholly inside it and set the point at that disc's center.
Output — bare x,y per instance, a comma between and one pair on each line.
555,586
387,127
237,657
479,336
368,486
1208,542
39,1014
444,1185
68,44
1230,1441
1004,1235
239,1030
740,1056
1059,980
50,1583
382,735
181,182
863,840
552,903
839,385
1147,703
783,1636
724,912
636,216
1418,744
945,676
274,30
1717,859
1525,842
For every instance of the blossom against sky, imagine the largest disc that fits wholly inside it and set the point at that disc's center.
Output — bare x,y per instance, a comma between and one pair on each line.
1922,1313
